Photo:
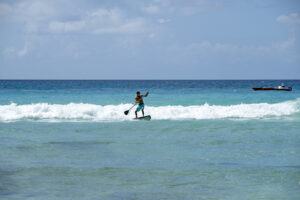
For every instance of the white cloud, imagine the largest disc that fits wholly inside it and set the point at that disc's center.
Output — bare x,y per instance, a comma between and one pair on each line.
151,9
43,22
35,10
207,51
163,21
290,19
234,49
187,7
23,51
99,22
50,17
61,27
13,52
151,35
5,9
32,14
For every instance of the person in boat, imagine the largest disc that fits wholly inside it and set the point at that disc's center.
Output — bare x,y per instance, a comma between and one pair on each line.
281,86
139,100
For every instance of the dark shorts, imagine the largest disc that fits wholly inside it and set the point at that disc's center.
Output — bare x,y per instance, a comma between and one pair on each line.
140,107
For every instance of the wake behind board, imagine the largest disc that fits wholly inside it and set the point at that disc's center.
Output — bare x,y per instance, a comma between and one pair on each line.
147,117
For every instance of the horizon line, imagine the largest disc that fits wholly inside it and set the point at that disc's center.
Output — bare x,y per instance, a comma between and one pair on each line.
287,79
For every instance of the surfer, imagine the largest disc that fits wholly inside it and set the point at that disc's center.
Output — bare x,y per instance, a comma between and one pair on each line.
139,100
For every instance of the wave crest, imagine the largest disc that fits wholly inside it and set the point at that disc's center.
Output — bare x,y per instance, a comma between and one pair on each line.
92,112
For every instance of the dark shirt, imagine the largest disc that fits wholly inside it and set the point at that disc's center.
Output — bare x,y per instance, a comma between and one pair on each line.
139,100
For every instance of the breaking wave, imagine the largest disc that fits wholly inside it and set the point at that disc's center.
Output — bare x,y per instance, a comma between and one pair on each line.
92,112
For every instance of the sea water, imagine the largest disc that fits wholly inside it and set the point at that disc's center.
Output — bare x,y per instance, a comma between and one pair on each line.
206,140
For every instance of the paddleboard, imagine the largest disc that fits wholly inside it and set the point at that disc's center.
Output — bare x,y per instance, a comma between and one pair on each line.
147,117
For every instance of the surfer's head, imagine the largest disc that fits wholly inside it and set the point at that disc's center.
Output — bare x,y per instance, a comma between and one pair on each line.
138,93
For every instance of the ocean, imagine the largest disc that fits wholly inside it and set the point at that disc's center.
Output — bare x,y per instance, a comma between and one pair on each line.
207,139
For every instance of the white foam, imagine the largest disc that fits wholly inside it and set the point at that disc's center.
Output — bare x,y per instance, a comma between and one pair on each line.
92,112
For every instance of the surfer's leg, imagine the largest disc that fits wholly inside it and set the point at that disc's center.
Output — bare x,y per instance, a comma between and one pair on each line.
137,110
142,108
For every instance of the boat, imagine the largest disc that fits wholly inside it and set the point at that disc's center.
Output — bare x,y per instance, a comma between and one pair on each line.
281,87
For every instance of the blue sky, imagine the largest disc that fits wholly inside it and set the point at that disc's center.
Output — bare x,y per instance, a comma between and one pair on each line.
158,39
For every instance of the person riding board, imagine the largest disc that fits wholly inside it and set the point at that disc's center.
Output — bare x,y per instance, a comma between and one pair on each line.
139,100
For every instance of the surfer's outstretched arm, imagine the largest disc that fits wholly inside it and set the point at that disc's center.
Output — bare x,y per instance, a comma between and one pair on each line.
145,95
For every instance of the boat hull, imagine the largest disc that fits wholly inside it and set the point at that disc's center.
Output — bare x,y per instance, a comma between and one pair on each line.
270,88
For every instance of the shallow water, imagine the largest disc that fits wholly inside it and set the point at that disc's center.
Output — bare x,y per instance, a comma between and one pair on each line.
237,157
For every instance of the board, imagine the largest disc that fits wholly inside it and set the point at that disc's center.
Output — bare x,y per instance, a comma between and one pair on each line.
147,117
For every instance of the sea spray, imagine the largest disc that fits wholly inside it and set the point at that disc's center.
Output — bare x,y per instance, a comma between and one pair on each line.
93,112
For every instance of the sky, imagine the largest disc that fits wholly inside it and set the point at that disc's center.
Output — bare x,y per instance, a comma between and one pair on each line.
153,39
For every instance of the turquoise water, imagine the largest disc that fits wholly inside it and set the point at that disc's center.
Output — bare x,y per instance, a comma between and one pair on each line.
207,140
